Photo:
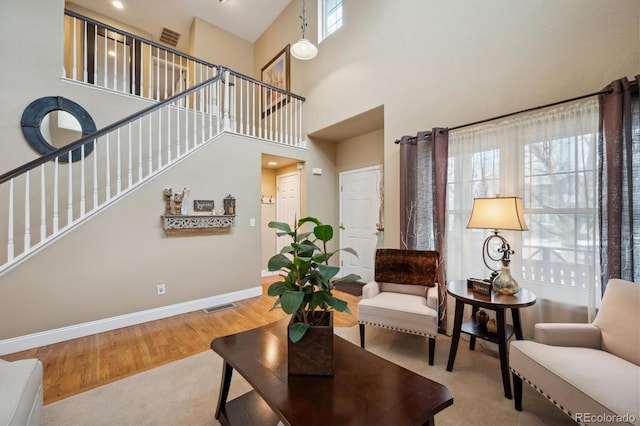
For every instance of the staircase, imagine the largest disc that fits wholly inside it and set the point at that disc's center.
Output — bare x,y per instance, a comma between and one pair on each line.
49,196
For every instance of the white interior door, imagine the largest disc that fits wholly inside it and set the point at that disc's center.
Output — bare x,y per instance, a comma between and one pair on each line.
359,208
287,203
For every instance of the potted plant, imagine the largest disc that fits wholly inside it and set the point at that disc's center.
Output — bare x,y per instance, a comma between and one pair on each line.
305,292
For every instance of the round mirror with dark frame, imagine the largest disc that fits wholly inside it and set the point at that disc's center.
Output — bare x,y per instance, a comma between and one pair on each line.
52,122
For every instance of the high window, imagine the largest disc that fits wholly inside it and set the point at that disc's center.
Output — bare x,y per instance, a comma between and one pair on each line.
330,17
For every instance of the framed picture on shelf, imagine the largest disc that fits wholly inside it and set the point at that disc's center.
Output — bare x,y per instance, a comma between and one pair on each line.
275,73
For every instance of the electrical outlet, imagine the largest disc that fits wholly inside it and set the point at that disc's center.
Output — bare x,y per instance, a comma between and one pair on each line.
161,289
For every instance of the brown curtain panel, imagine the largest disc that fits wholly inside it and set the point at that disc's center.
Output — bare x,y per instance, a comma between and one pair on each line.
423,180
619,181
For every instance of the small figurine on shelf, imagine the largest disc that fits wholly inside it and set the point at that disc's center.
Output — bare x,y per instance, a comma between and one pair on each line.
185,201
167,193
229,205
482,318
492,326
177,202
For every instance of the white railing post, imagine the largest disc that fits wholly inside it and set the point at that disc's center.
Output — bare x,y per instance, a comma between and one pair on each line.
10,245
140,155
43,205
95,174
56,213
74,71
118,164
107,189
225,106
130,159
84,53
27,214
82,183
69,189
232,107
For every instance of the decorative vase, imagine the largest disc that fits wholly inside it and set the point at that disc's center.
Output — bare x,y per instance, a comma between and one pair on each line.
504,282
313,354
492,326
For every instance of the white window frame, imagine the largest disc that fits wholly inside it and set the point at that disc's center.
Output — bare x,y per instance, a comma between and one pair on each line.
324,14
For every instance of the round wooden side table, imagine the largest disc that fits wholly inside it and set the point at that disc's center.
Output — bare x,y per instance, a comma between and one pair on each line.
494,302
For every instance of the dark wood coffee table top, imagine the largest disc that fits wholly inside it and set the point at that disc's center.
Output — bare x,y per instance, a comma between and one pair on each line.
365,389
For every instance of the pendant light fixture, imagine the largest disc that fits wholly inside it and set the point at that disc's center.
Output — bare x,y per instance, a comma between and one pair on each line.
303,49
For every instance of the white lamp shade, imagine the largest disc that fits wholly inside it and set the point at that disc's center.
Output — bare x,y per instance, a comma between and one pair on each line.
304,50
498,213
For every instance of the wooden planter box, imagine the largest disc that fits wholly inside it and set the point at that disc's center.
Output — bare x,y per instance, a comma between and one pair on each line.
313,354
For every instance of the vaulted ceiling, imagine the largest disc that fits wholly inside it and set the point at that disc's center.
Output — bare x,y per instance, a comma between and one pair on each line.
245,18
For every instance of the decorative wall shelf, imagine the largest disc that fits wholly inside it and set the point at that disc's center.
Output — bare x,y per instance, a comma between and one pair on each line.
178,221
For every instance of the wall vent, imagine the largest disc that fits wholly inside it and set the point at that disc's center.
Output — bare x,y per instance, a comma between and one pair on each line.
169,37
218,308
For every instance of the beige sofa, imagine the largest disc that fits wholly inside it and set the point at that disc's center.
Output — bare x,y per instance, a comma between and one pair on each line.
20,392
589,371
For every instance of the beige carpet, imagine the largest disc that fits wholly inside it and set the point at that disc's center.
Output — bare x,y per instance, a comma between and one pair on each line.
185,392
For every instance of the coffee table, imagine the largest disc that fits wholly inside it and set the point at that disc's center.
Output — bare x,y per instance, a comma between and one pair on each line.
364,390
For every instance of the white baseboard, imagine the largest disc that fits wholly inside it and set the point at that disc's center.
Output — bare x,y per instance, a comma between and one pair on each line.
21,343
265,273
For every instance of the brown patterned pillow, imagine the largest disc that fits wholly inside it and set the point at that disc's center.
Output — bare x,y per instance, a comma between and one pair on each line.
417,267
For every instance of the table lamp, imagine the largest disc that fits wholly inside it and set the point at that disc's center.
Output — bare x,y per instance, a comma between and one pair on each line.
499,213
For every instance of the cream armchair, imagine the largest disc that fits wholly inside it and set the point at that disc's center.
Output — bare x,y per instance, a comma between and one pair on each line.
403,295
589,371
20,392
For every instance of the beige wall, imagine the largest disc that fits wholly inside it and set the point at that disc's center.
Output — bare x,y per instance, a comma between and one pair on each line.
361,151
220,47
450,62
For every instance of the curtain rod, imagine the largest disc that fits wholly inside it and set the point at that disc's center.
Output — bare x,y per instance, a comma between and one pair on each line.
632,83
601,92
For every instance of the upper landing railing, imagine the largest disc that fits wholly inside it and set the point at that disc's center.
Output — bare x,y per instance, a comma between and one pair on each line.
103,56
48,196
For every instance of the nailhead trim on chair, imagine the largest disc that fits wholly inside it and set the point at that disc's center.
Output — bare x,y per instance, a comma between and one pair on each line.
398,329
567,412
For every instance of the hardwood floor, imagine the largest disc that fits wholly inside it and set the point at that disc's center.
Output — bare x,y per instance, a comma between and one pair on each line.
80,364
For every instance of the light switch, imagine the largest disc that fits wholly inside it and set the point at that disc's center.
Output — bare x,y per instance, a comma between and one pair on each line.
252,222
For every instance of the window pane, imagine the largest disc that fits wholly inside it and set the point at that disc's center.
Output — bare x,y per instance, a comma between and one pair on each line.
331,17
559,194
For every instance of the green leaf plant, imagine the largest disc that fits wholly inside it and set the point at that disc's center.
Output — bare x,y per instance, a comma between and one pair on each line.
307,277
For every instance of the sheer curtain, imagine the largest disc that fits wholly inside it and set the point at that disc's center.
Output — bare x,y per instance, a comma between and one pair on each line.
549,158
423,172
619,173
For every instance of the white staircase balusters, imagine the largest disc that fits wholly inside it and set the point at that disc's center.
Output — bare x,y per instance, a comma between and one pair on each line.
226,100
